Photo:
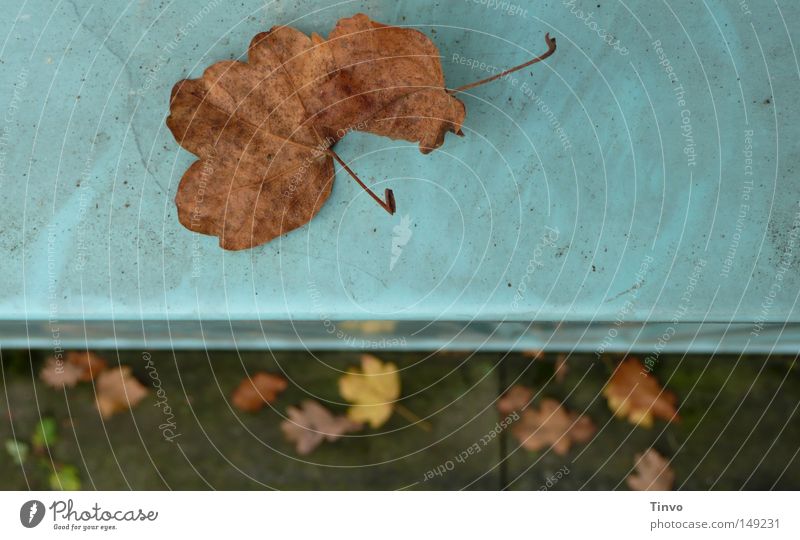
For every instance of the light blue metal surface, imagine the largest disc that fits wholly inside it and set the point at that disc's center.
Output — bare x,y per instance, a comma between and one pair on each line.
646,173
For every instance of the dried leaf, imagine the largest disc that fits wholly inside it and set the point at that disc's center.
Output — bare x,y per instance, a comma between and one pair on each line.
57,373
551,426
117,390
76,366
653,473
263,129
90,363
312,423
253,392
373,390
516,399
635,394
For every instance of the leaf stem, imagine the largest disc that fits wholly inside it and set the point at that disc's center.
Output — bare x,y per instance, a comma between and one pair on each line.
388,205
413,418
551,48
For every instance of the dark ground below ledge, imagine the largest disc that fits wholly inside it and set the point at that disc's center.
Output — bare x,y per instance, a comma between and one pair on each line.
739,427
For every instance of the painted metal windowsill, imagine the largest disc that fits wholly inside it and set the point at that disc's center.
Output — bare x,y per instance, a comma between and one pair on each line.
636,188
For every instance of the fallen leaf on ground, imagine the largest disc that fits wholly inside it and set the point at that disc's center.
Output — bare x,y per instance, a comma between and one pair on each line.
312,423
117,390
517,398
264,128
373,390
57,373
91,364
253,392
653,473
635,394
551,426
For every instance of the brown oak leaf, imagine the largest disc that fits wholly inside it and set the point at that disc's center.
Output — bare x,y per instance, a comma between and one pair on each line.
311,424
117,390
254,391
264,128
653,473
89,363
517,398
57,373
551,426
635,394
75,367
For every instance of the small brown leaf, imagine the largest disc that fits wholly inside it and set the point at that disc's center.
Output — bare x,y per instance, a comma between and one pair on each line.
57,373
312,423
90,363
253,392
653,473
516,399
551,426
635,394
117,390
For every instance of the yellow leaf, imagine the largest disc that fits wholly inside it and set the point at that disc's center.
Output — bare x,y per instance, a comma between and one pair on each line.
635,394
373,390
